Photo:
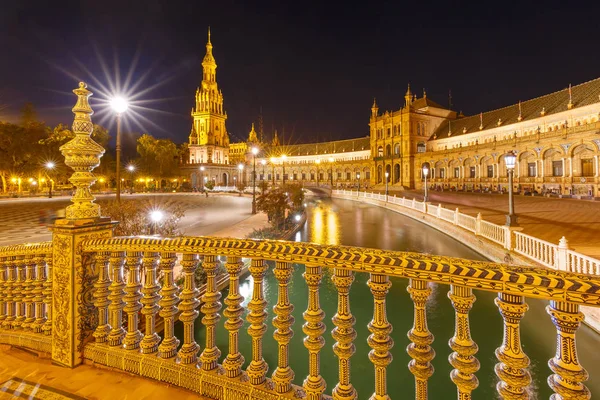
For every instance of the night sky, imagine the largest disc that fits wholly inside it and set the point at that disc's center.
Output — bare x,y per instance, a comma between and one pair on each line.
313,68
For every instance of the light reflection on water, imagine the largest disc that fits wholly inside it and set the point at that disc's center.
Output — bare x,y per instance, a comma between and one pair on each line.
356,224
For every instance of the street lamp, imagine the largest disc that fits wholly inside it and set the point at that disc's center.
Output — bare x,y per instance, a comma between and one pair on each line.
241,174
202,178
425,173
387,176
331,171
50,167
119,105
318,162
283,158
273,159
262,177
254,153
156,216
131,169
509,159
358,180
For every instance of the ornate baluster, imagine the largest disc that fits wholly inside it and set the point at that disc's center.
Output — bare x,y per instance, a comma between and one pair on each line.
38,293
11,279
47,293
168,303
101,295
569,375
19,292
463,360
3,289
210,308
132,300
150,300
314,384
234,360
283,321
380,340
257,370
344,334
189,302
115,309
420,349
512,368
28,289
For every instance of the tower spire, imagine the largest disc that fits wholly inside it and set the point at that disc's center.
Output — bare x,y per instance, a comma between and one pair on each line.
408,96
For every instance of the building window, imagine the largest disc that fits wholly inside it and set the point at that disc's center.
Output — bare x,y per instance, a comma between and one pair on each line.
347,176
418,129
368,175
421,147
397,149
472,172
389,132
531,169
312,176
587,167
304,176
442,173
388,150
295,176
395,130
557,168
269,177
380,151
456,172
339,175
490,171
277,177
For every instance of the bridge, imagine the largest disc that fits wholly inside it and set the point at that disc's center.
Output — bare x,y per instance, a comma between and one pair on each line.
87,296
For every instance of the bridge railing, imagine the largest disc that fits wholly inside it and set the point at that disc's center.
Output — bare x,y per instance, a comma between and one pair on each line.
557,256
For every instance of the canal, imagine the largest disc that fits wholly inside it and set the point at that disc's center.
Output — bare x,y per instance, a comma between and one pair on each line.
355,224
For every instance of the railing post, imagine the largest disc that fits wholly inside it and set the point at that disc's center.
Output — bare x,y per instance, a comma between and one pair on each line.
456,213
478,225
561,262
439,211
73,316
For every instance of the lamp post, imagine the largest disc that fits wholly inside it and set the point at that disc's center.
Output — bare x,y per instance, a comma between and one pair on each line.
358,180
331,171
262,177
202,178
273,159
425,173
509,159
283,158
119,105
254,153
131,169
387,176
318,162
49,167
241,173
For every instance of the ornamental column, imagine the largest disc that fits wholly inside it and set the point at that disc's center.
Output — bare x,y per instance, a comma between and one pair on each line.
73,317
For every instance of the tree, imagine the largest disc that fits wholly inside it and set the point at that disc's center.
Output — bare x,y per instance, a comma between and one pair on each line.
274,203
159,157
296,195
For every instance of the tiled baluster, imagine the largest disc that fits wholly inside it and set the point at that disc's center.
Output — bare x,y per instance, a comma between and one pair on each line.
380,340
132,300
101,294
3,289
344,334
28,287
463,359
512,368
150,301
19,292
314,328
115,309
168,306
210,308
189,302
283,321
569,375
234,360
47,293
420,349
257,370
38,293
11,280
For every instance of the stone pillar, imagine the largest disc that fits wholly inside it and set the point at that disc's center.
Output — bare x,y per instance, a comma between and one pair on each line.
73,316
562,257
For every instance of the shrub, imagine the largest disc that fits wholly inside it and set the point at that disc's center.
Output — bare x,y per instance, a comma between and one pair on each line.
134,217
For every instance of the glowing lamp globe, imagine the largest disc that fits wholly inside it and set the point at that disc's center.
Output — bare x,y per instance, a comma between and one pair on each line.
119,104
156,216
510,159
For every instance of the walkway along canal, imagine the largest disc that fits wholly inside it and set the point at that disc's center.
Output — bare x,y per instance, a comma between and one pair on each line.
350,223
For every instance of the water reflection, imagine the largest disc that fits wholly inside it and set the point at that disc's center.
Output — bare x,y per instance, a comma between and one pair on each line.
324,224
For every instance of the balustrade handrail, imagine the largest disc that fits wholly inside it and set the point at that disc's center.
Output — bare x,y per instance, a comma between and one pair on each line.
26,249
516,280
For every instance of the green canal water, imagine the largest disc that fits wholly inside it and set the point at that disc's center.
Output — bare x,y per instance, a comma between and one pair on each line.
350,223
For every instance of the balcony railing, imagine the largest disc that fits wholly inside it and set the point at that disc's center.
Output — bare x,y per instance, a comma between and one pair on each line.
127,287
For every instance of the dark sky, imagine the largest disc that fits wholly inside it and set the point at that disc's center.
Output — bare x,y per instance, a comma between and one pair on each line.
313,68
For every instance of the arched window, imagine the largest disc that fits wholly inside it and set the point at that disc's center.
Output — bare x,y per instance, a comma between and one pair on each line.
389,132
397,149
421,147
418,128
395,130
380,151
388,150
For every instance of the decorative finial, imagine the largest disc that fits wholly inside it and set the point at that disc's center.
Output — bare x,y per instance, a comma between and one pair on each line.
570,104
465,129
82,154
543,111
209,35
480,121
499,121
424,93
520,117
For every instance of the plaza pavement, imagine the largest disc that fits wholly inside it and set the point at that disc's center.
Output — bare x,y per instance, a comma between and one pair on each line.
542,217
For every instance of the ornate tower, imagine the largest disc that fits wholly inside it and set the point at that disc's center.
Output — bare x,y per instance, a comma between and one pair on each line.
209,140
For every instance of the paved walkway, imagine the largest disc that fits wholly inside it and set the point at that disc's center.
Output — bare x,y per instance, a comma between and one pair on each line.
26,376
545,218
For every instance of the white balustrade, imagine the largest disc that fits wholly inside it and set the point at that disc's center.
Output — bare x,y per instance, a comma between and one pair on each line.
536,249
466,221
492,232
581,264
